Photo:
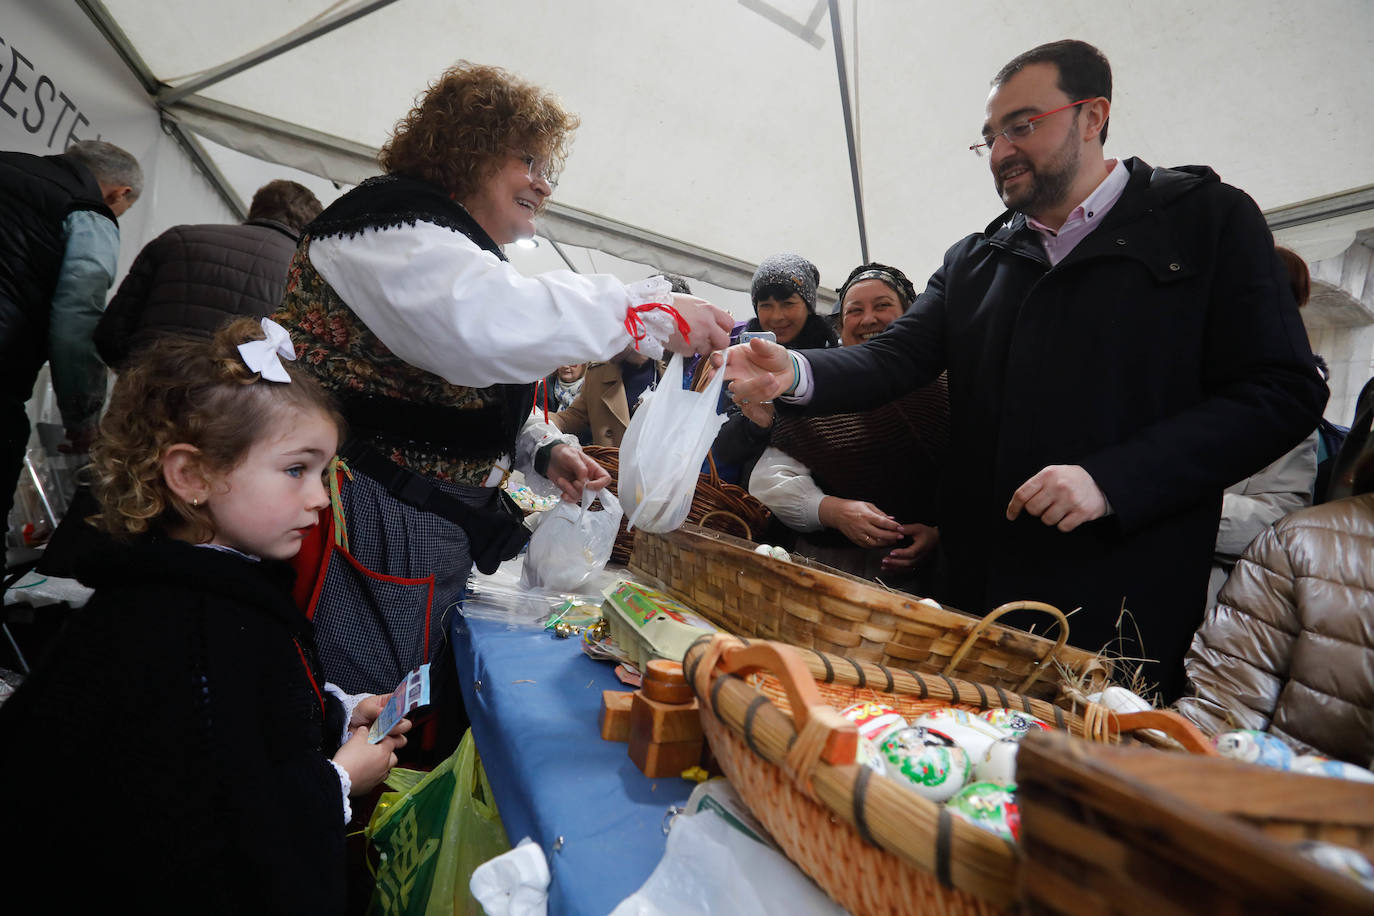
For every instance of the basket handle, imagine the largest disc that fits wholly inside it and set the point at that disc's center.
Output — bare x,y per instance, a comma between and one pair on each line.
1172,724
839,736
992,617
748,532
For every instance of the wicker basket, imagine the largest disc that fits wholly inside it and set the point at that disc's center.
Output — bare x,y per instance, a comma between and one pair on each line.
1120,830
817,607
716,504
873,845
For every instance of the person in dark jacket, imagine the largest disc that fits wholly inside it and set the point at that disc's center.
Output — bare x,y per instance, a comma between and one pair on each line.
59,248
1121,345
784,296
189,751
193,279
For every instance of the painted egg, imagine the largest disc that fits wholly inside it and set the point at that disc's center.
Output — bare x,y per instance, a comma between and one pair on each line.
1316,765
1014,722
926,762
999,763
778,553
870,756
990,806
763,549
1253,746
968,731
1342,859
874,720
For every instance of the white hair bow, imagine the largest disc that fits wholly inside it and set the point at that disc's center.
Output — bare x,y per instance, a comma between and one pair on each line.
264,356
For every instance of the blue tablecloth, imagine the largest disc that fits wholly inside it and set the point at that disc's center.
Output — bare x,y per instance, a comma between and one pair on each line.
533,700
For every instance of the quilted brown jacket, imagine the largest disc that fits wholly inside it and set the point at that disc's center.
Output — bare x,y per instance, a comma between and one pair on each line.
1289,647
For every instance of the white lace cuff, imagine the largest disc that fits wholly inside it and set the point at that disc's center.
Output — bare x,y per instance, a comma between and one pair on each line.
346,784
657,325
350,702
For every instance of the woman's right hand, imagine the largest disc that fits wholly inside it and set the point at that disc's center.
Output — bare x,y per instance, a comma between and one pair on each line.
863,523
708,325
368,764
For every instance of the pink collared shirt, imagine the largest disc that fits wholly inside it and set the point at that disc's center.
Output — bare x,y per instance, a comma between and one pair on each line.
1084,217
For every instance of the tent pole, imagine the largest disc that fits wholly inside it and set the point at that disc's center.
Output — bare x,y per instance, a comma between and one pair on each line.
849,127
268,51
100,17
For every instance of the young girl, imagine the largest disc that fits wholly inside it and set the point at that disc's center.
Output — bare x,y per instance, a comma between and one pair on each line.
178,749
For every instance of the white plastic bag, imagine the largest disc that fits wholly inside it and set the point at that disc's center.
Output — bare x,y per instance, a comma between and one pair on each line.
661,454
572,543
710,867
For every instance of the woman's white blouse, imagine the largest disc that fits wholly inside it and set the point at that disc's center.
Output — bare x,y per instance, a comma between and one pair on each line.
443,304
786,487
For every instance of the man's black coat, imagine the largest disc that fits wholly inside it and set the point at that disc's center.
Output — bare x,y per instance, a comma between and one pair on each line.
1164,354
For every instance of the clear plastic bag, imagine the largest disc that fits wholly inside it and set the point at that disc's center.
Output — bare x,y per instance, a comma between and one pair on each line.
572,543
661,455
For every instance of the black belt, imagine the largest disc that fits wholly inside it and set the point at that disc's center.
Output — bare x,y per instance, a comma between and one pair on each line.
493,534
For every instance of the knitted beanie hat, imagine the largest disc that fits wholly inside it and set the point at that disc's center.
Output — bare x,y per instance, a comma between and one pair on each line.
785,274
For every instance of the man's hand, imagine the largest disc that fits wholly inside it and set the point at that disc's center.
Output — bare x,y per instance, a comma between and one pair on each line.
1062,495
709,326
924,539
573,470
863,523
757,371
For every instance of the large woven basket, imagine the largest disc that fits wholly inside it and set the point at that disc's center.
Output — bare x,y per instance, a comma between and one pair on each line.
716,504
1120,830
820,608
872,844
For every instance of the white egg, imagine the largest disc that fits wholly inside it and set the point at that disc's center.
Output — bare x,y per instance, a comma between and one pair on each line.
998,764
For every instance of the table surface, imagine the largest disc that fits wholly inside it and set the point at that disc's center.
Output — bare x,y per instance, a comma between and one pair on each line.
533,700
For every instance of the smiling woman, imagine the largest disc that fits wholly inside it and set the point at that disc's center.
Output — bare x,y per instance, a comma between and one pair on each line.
857,490
401,302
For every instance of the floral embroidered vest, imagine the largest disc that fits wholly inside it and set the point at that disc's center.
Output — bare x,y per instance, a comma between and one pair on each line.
418,420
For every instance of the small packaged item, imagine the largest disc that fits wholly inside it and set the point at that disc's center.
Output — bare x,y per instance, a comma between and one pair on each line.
409,695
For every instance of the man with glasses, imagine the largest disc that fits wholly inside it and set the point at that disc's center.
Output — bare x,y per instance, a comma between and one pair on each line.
1121,345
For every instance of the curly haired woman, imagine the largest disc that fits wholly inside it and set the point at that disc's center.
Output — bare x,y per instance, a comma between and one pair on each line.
401,302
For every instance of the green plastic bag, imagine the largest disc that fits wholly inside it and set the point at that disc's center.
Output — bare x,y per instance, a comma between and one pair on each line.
431,833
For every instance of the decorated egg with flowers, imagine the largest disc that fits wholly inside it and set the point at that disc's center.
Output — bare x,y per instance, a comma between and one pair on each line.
928,762
1253,746
874,720
1317,765
968,731
1014,722
989,806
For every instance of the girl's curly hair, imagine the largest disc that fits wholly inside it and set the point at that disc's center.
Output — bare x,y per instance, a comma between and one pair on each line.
459,133
191,390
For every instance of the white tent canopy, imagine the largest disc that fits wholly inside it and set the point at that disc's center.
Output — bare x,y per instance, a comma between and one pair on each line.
713,133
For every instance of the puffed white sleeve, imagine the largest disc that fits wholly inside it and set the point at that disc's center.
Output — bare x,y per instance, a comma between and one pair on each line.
786,487
441,303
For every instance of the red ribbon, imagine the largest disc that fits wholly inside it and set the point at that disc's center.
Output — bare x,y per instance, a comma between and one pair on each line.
634,324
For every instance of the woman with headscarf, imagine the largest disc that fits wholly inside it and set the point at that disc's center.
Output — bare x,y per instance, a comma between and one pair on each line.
401,302
784,295
859,488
